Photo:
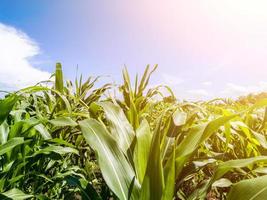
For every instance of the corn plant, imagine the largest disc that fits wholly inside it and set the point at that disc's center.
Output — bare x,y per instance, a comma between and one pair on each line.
137,98
152,163
38,134
69,140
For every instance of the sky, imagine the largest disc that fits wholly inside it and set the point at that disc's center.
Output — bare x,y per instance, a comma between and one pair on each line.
204,48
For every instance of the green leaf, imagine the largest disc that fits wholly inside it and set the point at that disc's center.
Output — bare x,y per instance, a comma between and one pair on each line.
169,177
10,144
62,99
63,121
153,183
61,142
261,138
4,130
6,106
194,138
261,170
145,79
259,104
142,149
33,89
215,125
119,126
16,194
188,146
235,164
227,166
116,170
56,149
251,189
43,131
87,190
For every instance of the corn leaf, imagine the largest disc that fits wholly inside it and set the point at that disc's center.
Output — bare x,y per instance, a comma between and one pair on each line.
142,149
116,170
16,194
195,137
10,144
169,177
56,149
4,130
153,183
235,164
63,121
6,106
119,125
43,131
251,189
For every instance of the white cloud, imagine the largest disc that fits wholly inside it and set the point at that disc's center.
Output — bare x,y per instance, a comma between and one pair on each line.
234,90
171,79
198,94
15,50
207,83
208,90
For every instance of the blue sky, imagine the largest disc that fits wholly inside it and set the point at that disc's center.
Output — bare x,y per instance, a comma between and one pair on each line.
204,48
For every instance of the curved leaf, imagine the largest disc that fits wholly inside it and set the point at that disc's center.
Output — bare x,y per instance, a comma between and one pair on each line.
10,144
142,149
6,106
195,137
116,170
169,177
16,194
235,164
56,149
119,125
63,121
153,183
4,130
251,189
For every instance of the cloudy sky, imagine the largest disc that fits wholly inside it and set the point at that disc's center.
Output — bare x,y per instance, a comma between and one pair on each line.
204,48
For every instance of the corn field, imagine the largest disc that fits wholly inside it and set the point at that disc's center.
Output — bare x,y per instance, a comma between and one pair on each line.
64,139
